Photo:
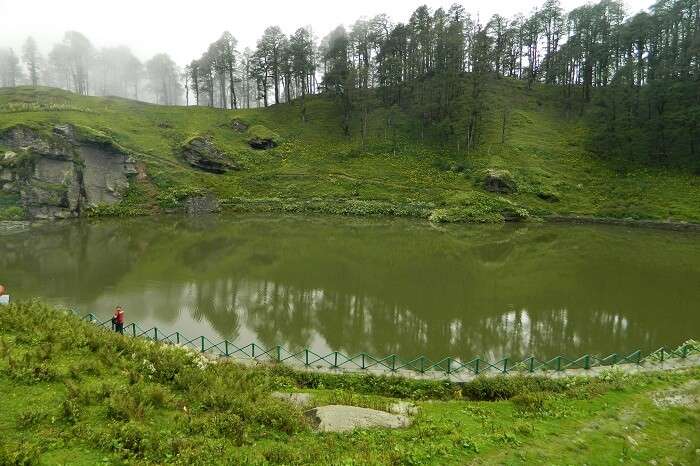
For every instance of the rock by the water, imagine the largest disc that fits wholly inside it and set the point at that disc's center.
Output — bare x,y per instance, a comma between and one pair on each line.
297,399
499,181
201,153
206,204
340,418
60,174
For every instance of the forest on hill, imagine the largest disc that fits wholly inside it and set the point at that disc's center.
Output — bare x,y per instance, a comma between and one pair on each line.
635,79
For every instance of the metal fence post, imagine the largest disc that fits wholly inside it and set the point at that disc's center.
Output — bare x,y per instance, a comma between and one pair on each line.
202,340
363,361
684,351
476,366
252,345
422,364
155,333
393,363
177,337
335,363
279,353
449,366
226,348
505,365
133,329
558,363
586,361
532,364
306,357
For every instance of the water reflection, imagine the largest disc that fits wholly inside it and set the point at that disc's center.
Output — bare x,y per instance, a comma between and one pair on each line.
379,286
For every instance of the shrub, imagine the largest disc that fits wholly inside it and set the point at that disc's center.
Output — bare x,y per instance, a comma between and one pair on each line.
533,402
505,387
70,410
20,454
124,406
157,395
30,418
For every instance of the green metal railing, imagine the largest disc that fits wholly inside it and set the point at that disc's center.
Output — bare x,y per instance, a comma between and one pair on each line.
364,361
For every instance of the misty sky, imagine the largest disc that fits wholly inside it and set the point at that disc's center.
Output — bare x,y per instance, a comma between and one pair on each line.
185,28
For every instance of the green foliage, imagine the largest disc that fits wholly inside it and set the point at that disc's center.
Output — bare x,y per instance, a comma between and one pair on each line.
12,213
395,170
180,408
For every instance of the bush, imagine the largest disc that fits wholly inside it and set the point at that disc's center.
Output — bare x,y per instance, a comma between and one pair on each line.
124,406
487,388
70,410
20,454
30,418
533,402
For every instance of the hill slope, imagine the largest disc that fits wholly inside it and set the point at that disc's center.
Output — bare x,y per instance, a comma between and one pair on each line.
315,167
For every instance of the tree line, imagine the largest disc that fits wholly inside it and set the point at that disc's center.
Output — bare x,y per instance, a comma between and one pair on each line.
75,64
635,77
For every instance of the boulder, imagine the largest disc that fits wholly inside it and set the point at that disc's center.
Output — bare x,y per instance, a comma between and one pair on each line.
547,195
239,125
340,418
206,204
499,181
261,138
201,153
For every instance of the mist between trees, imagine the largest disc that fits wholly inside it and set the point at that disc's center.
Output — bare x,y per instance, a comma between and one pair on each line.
637,77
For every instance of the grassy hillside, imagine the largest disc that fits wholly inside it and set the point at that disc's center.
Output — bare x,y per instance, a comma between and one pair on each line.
395,172
75,394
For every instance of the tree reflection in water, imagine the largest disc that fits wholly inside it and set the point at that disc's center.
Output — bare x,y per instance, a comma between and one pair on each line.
378,286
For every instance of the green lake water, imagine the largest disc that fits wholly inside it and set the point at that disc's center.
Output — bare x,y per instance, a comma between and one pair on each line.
380,286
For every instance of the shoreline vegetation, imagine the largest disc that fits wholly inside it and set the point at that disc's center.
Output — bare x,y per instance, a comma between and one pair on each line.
197,160
78,394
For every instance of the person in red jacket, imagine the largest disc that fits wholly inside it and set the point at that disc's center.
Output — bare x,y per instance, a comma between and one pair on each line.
118,320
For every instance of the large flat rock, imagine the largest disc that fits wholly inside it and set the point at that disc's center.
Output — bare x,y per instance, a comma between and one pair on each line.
340,418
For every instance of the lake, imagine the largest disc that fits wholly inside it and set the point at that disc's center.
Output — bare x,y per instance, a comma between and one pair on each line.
380,286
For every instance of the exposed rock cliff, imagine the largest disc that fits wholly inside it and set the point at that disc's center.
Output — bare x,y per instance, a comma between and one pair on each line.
61,173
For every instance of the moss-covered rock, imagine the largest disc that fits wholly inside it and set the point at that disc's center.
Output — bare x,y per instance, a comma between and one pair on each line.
499,181
548,195
200,152
261,137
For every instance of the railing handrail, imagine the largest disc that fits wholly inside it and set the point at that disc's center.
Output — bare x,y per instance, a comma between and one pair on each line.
421,364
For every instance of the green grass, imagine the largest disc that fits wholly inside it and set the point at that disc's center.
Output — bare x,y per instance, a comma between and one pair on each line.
75,394
395,172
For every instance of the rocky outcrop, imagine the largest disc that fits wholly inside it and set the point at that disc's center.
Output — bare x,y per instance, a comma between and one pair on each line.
200,152
60,174
499,181
261,138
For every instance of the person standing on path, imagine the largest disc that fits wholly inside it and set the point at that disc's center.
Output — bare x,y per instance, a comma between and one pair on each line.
118,320
4,298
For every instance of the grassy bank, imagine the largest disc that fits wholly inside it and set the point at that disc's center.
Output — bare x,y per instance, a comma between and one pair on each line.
75,394
395,170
